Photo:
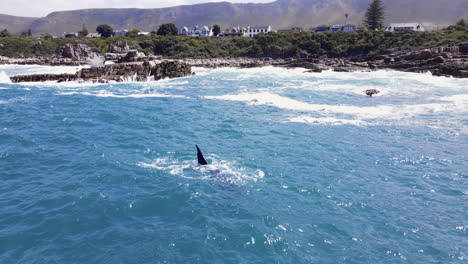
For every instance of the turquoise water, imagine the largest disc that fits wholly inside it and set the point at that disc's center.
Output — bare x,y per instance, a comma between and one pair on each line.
310,170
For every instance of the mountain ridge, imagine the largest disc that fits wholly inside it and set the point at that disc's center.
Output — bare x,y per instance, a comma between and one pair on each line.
279,14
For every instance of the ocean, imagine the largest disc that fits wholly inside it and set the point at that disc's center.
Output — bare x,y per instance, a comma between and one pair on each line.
304,168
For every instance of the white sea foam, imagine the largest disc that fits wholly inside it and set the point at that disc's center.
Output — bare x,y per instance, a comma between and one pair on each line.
109,94
14,69
219,170
4,78
327,121
361,113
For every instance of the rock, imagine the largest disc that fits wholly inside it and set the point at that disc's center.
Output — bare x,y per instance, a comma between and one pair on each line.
43,77
120,46
340,69
132,56
436,60
371,92
77,51
388,60
141,71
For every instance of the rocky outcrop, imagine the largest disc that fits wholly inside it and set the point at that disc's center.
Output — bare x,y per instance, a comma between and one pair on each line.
77,51
43,78
440,61
120,46
371,92
142,71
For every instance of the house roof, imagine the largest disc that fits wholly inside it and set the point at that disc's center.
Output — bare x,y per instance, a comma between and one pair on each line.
405,24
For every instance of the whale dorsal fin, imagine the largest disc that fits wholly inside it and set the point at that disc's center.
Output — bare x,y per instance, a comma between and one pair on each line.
201,159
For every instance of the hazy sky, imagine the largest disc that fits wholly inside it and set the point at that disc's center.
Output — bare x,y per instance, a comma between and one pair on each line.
40,8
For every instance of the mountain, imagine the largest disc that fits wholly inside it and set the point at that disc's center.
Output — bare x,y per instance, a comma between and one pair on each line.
14,23
279,14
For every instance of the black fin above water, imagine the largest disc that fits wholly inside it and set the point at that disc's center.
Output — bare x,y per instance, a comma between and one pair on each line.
201,159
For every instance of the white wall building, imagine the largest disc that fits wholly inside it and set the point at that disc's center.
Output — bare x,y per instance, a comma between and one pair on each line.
204,31
405,26
120,32
258,30
93,35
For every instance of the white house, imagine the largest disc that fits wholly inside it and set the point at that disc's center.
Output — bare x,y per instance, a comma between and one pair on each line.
204,31
258,30
348,28
93,35
236,32
335,28
404,26
120,32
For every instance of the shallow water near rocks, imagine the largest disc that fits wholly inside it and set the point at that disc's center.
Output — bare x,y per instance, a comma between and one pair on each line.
303,168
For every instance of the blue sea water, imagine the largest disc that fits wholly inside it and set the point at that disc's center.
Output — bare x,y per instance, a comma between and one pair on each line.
310,170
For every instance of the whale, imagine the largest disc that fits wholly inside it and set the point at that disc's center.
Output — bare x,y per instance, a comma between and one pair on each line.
201,159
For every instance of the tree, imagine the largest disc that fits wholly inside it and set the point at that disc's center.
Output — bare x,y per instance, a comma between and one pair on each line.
4,33
105,30
216,30
168,29
375,14
461,22
133,33
26,34
84,31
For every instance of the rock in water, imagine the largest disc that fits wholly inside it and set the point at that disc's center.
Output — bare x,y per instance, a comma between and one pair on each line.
371,92
139,71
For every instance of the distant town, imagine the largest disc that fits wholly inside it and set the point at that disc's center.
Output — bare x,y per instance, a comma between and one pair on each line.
251,31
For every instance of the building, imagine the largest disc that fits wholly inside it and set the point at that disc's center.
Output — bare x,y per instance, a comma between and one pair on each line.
404,26
93,35
120,32
204,31
258,30
348,28
70,34
335,28
322,28
291,30
236,32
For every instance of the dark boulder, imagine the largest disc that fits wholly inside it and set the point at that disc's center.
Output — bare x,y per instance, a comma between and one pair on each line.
142,71
371,92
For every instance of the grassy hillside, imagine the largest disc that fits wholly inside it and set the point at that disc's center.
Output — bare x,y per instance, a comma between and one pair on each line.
276,45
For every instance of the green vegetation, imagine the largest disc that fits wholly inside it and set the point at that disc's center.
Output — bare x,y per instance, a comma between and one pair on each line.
276,45
133,33
216,30
84,31
105,30
375,14
168,30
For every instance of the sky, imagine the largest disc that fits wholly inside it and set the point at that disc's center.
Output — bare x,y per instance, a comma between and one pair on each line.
40,8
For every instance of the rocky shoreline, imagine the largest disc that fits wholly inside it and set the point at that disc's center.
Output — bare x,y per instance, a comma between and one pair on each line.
135,71
449,61
442,61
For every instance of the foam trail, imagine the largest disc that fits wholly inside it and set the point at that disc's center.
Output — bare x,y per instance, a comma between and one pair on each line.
4,78
327,121
225,171
389,112
109,94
